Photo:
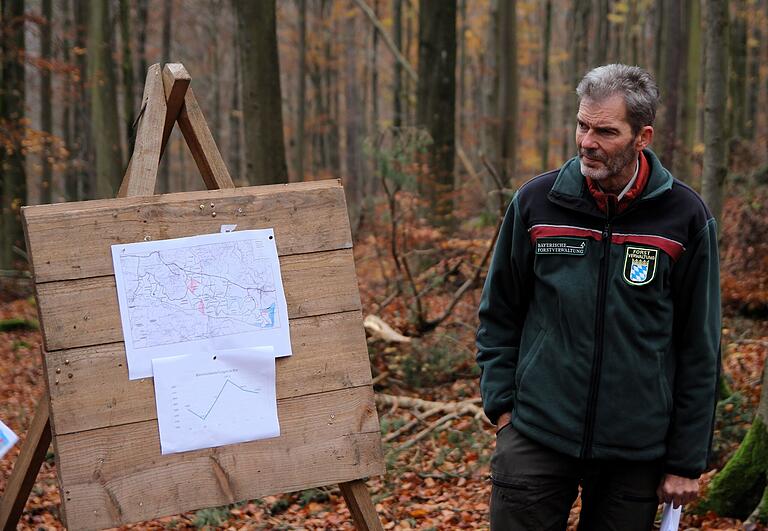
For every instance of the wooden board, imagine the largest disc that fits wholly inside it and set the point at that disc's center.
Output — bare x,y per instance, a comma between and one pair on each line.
93,389
104,426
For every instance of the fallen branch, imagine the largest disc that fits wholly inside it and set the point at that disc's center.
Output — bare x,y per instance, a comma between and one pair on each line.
441,422
377,327
429,408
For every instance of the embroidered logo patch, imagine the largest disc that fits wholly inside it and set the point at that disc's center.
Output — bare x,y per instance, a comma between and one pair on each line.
571,246
640,265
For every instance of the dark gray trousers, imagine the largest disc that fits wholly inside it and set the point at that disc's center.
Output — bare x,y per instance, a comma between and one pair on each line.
534,488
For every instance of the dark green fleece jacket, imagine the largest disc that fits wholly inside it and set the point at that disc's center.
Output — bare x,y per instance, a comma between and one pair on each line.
600,332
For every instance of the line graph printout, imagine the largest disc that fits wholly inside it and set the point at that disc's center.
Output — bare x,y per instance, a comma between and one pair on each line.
217,398
200,294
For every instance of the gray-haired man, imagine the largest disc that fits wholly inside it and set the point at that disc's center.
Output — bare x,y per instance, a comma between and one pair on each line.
600,327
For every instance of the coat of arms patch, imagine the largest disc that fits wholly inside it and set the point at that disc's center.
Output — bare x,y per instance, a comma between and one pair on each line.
640,265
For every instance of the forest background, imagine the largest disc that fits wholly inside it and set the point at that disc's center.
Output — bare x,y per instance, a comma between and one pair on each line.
432,113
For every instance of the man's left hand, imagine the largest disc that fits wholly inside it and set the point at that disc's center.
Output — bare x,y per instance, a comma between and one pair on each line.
677,490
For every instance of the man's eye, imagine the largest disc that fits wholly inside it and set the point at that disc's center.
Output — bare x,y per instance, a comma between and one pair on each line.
583,126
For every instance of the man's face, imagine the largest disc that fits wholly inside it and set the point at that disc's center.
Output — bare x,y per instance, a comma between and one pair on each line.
606,144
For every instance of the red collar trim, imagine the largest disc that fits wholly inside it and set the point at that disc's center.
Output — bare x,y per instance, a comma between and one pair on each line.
601,198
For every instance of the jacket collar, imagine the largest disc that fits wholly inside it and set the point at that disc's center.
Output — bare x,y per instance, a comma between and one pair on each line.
571,191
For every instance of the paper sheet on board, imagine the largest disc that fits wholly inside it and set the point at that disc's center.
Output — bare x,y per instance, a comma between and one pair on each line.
213,399
670,518
200,294
7,439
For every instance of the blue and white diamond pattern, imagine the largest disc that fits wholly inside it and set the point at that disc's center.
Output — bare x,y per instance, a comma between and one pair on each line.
639,272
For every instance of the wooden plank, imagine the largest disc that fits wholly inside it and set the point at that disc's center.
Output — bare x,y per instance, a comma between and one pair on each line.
51,231
202,145
80,313
27,466
176,81
325,438
361,505
90,387
91,506
141,174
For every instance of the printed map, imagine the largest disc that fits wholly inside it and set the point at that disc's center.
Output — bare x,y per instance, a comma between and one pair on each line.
199,292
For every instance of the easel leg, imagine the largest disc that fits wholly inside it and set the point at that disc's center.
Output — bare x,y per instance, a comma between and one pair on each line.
361,505
26,468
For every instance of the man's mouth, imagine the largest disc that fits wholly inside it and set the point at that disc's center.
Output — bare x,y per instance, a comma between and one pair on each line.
592,158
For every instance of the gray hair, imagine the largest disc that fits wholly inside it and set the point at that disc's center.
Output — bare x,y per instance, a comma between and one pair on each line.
637,86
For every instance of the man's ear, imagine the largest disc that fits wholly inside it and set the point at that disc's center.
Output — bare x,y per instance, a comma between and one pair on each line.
644,138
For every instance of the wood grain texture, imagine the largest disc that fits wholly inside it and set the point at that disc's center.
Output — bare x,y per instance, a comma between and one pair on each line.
176,81
202,145
90,387
141,175
117,475
84,312
360,505
96,225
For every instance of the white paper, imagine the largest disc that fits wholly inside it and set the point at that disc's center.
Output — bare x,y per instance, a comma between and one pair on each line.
228,228
207,400
200,294
670,518
7,439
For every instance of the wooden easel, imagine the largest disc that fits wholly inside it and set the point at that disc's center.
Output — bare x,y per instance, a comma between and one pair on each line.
167,100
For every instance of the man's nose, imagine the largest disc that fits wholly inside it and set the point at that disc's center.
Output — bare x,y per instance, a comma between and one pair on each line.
588,141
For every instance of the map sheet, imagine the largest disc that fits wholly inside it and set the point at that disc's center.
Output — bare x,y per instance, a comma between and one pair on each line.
213,399
200,294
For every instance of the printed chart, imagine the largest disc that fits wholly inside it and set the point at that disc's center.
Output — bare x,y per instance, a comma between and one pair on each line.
207,400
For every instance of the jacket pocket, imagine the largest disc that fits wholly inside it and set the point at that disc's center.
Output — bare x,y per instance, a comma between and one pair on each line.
531,356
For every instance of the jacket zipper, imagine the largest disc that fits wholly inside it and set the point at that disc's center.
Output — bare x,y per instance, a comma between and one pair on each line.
597,359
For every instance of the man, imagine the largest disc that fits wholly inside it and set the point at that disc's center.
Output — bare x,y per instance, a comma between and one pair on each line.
600,327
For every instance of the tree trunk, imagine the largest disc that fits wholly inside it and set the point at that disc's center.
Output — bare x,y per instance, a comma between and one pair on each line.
508,90
164,171
754,80
68,110
738,71
691,90
437,100
46,94
353,182
142,11
262,105
84,169
671,83
13,180
301,103
739,489
546,106
600,35
235,122
129,104
105,128
577,27
375,72
397,85
715,141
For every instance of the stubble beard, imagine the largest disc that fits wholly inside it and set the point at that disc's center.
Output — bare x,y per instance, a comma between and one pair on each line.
612,166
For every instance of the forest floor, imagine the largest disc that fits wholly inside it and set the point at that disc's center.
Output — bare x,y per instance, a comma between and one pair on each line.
439,482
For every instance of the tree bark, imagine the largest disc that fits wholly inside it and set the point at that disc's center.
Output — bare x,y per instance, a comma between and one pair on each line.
508,90
739,489
753,88
397,84
129,104
353,182
691,89
546,106
715,141
142,12
164,171
437,100
262,105
13,181
105,129
84,170
301,103
738,71
671,83
46,94
577,27
68,110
